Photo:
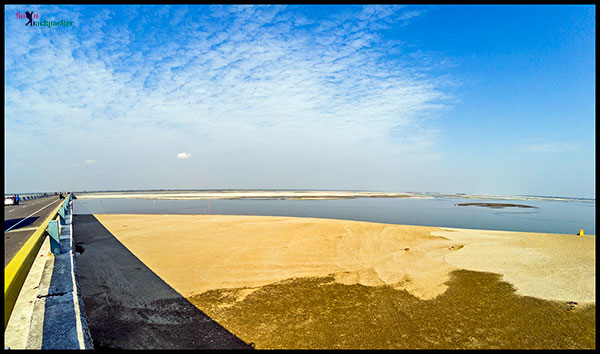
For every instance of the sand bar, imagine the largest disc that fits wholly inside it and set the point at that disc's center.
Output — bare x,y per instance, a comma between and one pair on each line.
183,195
198,253
307,194
497,205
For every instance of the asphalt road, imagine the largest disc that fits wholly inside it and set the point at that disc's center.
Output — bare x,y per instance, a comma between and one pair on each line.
20,222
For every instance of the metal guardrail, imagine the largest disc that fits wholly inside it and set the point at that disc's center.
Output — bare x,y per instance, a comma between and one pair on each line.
27,196
18,268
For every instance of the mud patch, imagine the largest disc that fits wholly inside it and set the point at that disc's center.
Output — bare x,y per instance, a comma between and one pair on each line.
477,311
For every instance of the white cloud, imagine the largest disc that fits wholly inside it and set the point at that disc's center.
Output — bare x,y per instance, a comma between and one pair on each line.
89,161
183,155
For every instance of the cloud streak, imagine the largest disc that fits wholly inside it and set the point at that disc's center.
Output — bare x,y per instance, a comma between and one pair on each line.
257,68
253,79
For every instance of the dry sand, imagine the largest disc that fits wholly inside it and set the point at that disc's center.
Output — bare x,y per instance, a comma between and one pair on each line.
239,268
214,252
547,266
196,253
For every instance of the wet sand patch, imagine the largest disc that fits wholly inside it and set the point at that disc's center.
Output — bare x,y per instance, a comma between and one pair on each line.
477,311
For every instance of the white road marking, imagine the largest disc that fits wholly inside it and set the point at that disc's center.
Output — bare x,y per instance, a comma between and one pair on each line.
31,214
24,229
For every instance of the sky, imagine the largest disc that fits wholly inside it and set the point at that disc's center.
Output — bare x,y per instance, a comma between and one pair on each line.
454,99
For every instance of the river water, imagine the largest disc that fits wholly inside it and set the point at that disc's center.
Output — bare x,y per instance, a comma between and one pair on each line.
549,216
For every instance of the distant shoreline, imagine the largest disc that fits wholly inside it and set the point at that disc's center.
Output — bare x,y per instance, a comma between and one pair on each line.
258,194
303,195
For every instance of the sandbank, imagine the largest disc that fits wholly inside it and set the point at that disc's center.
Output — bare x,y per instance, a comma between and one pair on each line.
496,205
198,253
184,195
306,194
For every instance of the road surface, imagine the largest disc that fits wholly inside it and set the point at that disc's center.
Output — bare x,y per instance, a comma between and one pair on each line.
20,222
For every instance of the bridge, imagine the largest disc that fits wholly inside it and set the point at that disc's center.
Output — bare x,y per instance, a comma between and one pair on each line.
43,308
44,294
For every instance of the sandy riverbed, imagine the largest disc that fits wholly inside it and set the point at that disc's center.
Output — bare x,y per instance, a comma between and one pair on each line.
229,265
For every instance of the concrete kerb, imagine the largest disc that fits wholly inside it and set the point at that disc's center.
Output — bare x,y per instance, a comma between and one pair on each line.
17,329
53,318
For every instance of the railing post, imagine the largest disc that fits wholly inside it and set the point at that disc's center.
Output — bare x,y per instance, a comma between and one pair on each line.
54,233
61,213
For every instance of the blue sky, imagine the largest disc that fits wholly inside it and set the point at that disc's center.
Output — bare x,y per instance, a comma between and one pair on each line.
466,99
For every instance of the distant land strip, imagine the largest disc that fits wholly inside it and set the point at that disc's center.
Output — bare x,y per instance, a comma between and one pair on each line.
308,195
497,205
254,195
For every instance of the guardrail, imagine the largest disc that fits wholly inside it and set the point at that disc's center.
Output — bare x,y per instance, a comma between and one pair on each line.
26,197
18,268
29,197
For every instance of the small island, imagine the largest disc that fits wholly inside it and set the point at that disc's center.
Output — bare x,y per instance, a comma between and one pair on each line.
497,205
